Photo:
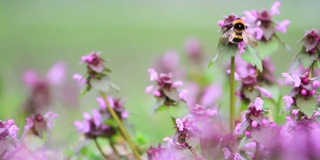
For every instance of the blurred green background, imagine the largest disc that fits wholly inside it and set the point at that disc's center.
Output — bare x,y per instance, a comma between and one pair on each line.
37,33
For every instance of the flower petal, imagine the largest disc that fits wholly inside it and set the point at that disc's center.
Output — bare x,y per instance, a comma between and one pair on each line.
153,74
56,73
282,26
275,8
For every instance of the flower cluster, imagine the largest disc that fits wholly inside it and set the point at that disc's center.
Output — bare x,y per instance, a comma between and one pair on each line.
261,24
97,74
41,92
249,76
304,90
166,90
37,124
310,51
254,118
8,137
94,126
192,132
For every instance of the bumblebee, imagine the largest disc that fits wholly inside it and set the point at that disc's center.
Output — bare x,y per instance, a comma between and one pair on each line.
238,33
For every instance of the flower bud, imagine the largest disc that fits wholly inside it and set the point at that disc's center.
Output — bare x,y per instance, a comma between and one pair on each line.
315,84
254,124
303,92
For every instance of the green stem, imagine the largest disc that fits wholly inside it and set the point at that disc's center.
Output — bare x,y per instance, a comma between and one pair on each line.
99,148
257,153
311,70
173,121
193,151
121,127
114,149
232,95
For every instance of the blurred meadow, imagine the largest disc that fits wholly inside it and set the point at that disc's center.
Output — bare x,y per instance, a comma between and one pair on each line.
35,34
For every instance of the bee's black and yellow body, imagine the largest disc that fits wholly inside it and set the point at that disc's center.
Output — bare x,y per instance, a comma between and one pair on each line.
238,33
239,27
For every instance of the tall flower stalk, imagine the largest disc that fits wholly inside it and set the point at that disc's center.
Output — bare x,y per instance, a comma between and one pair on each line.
97,77
232,95
121,127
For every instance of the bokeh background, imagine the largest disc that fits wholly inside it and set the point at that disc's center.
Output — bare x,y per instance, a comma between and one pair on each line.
36,34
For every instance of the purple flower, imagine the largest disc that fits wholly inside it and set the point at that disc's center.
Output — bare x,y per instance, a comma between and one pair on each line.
94,61
288,101
250,87
154,153
97,74
294,79
166,90
8,130
226,24
8,138
310,51
116,103
194,51
262,21
311,40
241,47
169,63
37,124
282,26
41,92
93,126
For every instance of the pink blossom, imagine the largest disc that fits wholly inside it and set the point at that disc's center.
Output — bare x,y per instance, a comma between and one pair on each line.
82,126
56,73
180,124
282,26
275,8
177,84
303,92
30,77
257,32
258,103
156,93
264,92
288,101
94,61
101,103
221,23
254,124
80,79
241,47
153,74
37,124
97,117
227,153
251,16
295,112
169,141
183,94
294,79
315,84
149,88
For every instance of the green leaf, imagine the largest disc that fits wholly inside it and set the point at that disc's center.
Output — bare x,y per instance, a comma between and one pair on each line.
140,138
213,61
252,95
306,59
160,108
226,51
178,111
103,84
307,106
267,48
251,57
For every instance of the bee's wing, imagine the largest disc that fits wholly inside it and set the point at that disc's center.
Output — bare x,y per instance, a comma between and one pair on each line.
249,39
228,36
